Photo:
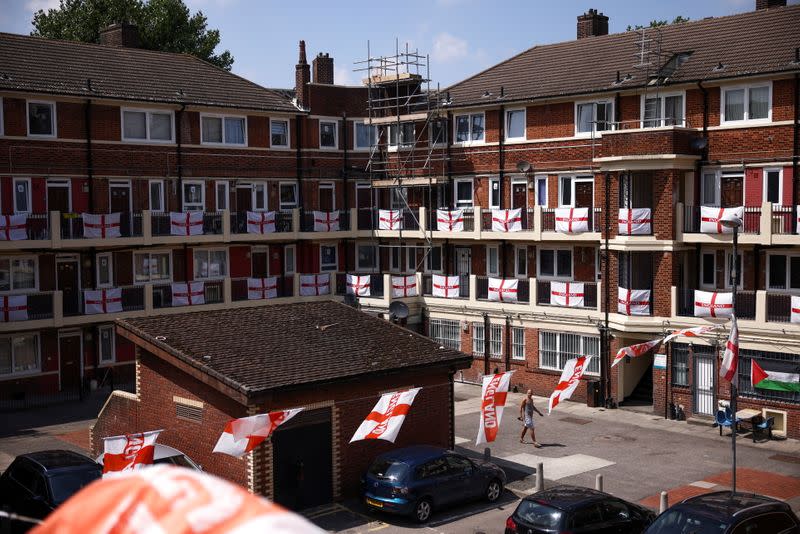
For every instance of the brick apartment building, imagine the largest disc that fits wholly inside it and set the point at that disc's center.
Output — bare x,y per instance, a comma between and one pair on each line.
702,113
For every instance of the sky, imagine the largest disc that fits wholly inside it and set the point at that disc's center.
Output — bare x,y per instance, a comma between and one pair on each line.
462,37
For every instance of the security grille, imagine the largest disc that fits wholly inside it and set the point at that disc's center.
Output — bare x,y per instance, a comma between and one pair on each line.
495,340
446,332
555,349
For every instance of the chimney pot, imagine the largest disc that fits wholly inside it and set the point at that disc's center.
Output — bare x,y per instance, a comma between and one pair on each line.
768,4
592,24
302,76
322,69
121,35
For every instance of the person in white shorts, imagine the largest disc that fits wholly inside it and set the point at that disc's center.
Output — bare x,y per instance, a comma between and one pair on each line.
526,410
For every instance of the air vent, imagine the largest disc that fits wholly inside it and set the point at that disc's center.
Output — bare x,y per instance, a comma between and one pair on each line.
188,409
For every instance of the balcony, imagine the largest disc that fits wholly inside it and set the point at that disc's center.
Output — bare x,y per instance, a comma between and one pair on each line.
779,307
328,222
284,287
73,302
590,299
763,225
408,220
376,286
283,223
527,217
72,227
745,303
161,224
523,293
633,144
548,224
463,286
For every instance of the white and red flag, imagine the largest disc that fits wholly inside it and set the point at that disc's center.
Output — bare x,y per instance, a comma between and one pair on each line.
730,359
446,286
712,304
493,400
358,285
635,351
188,223
572,220
245,434
797,215
102,300
711,219
260,222
795,314
262,288
326,221
450,220
13,308
13,227
390,220
507,220
633,301
131,451
386,418
569,294
503,289
315,284
570,378
404,286
188,294
696,331
636,221
101,225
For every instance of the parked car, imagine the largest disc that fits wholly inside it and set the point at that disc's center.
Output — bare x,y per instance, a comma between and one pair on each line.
417,480
725,512
163,454
576,509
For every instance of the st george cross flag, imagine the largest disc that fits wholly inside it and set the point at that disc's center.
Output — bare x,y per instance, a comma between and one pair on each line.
493,396
103,300
315,284
569,294
131,451
503,289
102,225
260,222
190,294
262,288
795,316
710,304
390,220
245,434
570,378
450,220
730,360
189,223
778,376
326,221
690,332
13,308
507,220
445,286
13,227
711,219
572,220
404,286
636,221
633,301
358,285
635,350
386,418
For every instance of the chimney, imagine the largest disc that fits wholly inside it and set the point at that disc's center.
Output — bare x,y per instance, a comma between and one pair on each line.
322,68
121,35
768,4
591,24
302,76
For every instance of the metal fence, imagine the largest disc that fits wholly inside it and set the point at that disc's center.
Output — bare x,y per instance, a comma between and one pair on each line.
307,221
283,222
526,223
239,291
589,293
745,303
750,225
482,289
549,219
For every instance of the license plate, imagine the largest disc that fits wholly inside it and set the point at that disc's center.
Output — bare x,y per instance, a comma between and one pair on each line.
376,504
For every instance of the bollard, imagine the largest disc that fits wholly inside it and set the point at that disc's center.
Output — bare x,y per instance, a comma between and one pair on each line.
487,454
598,483
662,507
539,476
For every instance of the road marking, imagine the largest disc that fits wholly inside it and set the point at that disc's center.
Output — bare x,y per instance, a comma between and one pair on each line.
703,484
459,440
558,468
379,527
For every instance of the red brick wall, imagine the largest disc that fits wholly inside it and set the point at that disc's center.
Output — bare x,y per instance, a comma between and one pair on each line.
547,121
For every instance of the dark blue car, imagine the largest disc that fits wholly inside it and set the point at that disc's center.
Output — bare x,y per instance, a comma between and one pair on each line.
416,480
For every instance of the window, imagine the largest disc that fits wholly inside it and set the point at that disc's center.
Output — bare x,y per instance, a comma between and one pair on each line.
680,364
22,195
555,264
288,259
328,135
41,119
210,263
769,361
17,273
556,348
279,133
407,134
105,336
515,124
398,198
288,195
751,103
146,125
767,522
438,132
710,188
783,271
366,136
221,189
593,116
19,354
495,340
327,196
469,128
662,110
567,186
541,191
395,263
521,262
194,196
433,260
492,261
216,129
328,257
709,269
463,193
517,343
773,186
494,193
445,332
260,197
157,195
152,267
105,270
366,258
411,259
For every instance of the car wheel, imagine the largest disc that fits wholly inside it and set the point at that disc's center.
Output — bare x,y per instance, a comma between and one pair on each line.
422,511
493,490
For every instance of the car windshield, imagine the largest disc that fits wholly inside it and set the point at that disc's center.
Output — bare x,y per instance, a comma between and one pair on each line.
388,469
684,522
538,515
65,485
179,460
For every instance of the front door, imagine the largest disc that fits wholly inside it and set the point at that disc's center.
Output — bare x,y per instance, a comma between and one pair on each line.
58,198
704,383
69,353
732,190
584,198
519,199
364,205
68,282
259,258
120,201
326,197
463,265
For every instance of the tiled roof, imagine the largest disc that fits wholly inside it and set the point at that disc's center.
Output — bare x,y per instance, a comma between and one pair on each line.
762,41
268,347
35,64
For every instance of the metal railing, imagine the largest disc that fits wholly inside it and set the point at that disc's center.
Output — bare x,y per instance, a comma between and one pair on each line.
745,303
463,286
40,306
779,307
132,300
239,291
750,225
375,283
782,220
526,223
307,220
549,219
589,294
130,225
482,289
283,222
37,226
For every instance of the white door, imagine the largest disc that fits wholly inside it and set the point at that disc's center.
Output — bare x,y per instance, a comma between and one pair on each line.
704,384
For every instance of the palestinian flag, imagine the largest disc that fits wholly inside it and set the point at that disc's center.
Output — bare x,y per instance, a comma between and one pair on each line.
780,377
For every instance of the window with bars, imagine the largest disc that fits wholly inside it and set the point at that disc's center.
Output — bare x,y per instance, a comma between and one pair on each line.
495,340
446,332
555,349
518,343
764,359
680,364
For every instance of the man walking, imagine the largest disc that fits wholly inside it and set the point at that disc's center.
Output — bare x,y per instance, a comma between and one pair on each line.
526,410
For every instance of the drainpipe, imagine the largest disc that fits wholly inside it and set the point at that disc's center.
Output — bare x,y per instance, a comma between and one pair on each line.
299,171
501,153
89,161
508,343
604,364
796,149
448,193
179,154
487,328
345,196
704,154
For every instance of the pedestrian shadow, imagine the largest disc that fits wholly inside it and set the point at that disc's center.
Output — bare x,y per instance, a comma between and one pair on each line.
552,445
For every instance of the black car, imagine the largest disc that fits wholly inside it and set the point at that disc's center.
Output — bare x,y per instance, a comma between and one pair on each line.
36,483
724,512
578,510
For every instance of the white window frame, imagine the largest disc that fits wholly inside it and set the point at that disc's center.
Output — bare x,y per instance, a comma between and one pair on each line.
332,187
53,119
558,350
60,183
479,341
411,260
524,124
662,108
29,195
779,170
288,133
537,200
363,268
517,274
253,196
492,182
438,327
788,258
400,144
469,140
430,133
717,187
25,290
202,203
335,134
356,146
149,254
573,179
326,267
100,359
489,271
147,113
222,118
518,345
427,266
594,130
38,369
110,257
281,204
289,270
460,203
395,266
555,275
209,250
160,184
747,88
223,184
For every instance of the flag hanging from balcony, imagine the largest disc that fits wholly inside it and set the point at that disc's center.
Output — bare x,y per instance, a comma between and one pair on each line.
190,294
493,397
570,378
14,308
102,225
390,220
507,220
711,219
569,294
260,222
245,434
795,314
386,418
503,289
131,451
634,351
633,301
779,376
188,223
445,286
712,304
315,284
636,221
730,359
450,220
262,288
572,220
404,286
326,221
13,227
358,285
102,300
690,332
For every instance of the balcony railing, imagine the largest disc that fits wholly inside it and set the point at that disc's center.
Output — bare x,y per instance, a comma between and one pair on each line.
130,225
214,293
375,283
239,291
161,225
779,307
283,222
589,294
549,219
369,219
745,303
526,223
307,221
751,223
782,220
73,301
37,226
482,289
463,286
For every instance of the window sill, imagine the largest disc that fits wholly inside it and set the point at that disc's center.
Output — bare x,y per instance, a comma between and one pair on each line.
224,145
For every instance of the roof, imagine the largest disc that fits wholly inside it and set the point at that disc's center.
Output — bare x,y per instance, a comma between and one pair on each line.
36,64
568,498
59,459
414,455
253,350
721,505
758,42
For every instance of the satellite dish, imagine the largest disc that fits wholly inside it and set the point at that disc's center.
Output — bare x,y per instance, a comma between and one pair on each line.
523,166
698,143
398,309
